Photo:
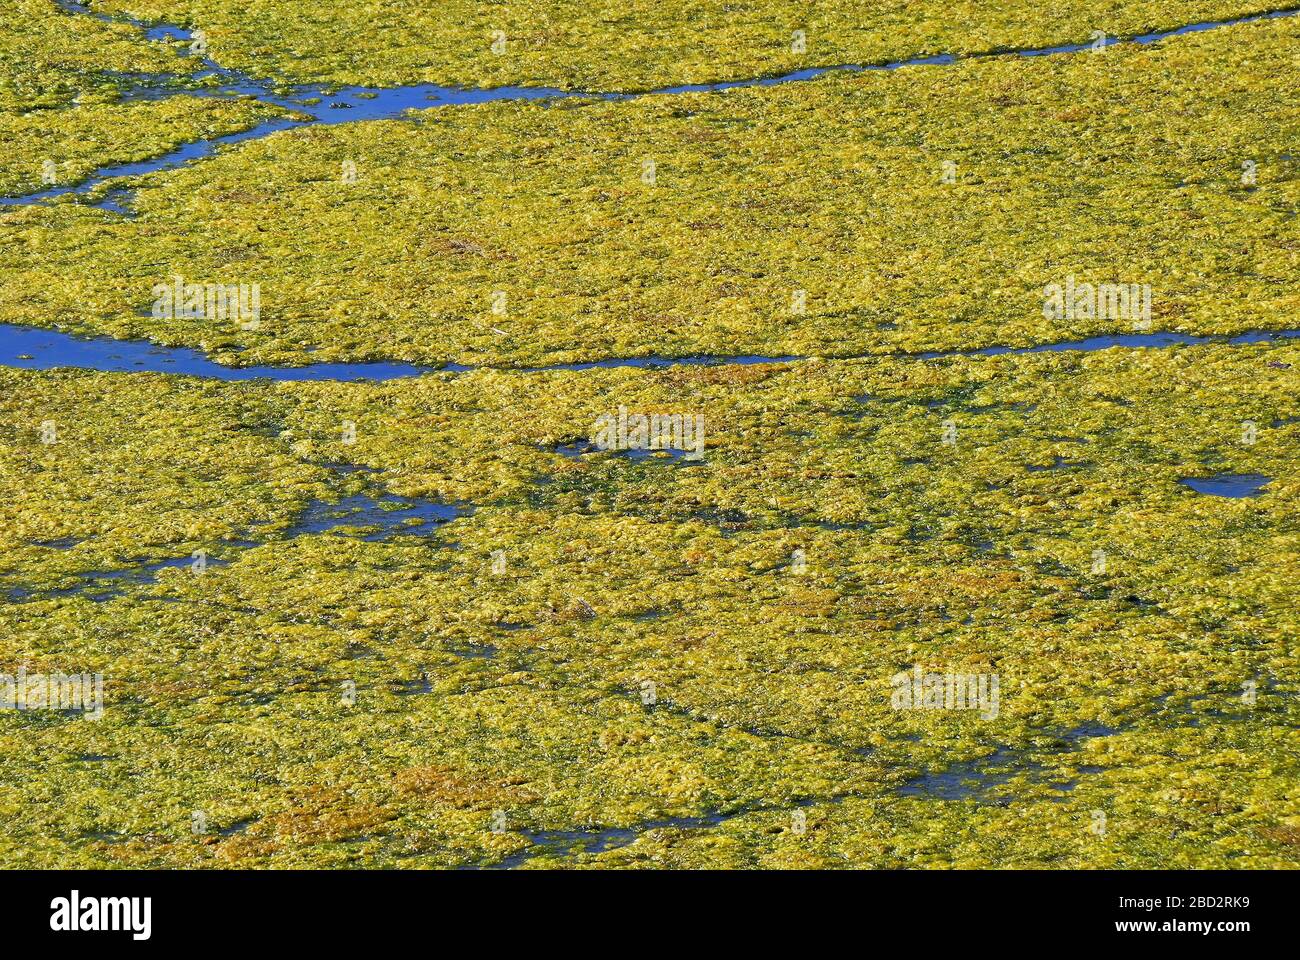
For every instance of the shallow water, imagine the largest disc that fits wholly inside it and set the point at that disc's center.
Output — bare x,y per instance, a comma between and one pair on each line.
975,779
1058,463
1130,340
120,201
1234,485
582,448
966,780
33,348
655,361
101,585
392,514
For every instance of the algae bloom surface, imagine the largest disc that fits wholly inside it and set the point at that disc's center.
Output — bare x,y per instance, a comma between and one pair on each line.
889,468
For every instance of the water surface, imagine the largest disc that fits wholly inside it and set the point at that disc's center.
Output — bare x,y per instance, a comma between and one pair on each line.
35,348
1234,485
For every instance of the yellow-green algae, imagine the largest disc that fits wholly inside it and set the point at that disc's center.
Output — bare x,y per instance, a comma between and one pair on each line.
771,687
493,704
633,44
49,58
79,140
1119,167
63,78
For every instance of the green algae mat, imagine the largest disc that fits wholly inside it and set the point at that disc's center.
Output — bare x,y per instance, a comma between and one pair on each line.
879,469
